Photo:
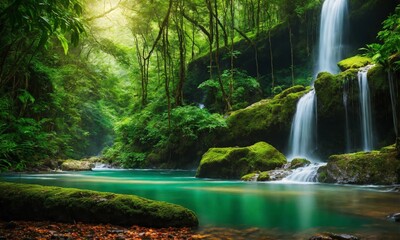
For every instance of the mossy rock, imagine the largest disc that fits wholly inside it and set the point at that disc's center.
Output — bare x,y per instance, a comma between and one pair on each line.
264,176
42,203
329,90
265,120
249,177
299,162
354,62
77,165
235,162
376,167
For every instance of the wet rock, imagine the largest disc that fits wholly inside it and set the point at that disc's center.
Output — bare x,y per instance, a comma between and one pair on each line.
279,174
76,165
299,162
251,177
394,217
375,167
333,236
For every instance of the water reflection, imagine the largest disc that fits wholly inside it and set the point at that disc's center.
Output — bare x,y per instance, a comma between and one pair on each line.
288,209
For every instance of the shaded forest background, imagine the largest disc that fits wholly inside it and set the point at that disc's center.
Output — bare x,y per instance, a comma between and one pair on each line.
148,83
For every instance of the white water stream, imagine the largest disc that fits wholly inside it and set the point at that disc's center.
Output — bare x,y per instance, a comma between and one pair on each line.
366,113
330,48
303,140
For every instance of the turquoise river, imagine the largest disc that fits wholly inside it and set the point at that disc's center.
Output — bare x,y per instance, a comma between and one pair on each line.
253,210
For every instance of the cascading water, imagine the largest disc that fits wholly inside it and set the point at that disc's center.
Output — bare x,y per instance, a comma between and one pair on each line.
365,103
333,15
302,141
302,135
346,111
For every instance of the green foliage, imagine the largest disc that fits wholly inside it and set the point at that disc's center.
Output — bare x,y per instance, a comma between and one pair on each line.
387,53
242,88
147,134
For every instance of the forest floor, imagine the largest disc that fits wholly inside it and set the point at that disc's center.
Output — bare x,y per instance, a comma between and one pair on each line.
29,230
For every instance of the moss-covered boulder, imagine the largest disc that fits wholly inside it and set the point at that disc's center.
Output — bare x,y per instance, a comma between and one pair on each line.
235,162
268,120
250,177
299,162
264,176
376,167
35,202
77,165
354,62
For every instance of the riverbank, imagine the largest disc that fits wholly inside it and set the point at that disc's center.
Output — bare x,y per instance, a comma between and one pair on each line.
52,230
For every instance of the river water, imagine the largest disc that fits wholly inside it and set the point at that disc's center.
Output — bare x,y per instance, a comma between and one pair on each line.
273,210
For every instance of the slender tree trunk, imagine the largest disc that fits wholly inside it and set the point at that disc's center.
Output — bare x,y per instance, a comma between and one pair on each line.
291,52
211,34
232,49
182,55
271,59
166,73
224,95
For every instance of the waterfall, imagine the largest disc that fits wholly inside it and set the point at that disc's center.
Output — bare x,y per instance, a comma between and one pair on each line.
346,112
330,49
365,104
393,97
303,142
302,135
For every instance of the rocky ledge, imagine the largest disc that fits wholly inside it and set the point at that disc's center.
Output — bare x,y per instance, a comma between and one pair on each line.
376,167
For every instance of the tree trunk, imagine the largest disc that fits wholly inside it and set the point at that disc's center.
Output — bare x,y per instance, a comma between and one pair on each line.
291,52
182,55
224,95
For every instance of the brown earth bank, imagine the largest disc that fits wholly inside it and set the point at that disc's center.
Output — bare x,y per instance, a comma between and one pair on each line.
18,230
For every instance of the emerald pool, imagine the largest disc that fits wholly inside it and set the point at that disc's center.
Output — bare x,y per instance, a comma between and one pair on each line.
280,210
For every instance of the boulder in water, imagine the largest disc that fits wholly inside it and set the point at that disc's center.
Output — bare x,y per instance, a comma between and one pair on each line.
376,167
235,162
394,217
333,236
77,165
299,162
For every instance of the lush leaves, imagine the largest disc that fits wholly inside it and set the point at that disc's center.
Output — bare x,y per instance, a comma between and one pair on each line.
388,52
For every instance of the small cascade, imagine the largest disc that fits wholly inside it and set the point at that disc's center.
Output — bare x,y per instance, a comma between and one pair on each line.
366,113
393,98
302,141
346,111
304,174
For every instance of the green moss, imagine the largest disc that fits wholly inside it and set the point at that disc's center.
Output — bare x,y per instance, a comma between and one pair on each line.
234,162
76,165
299,162
377,78
34,202
329,90
249,177
264,176
354,62
376,167
265,115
